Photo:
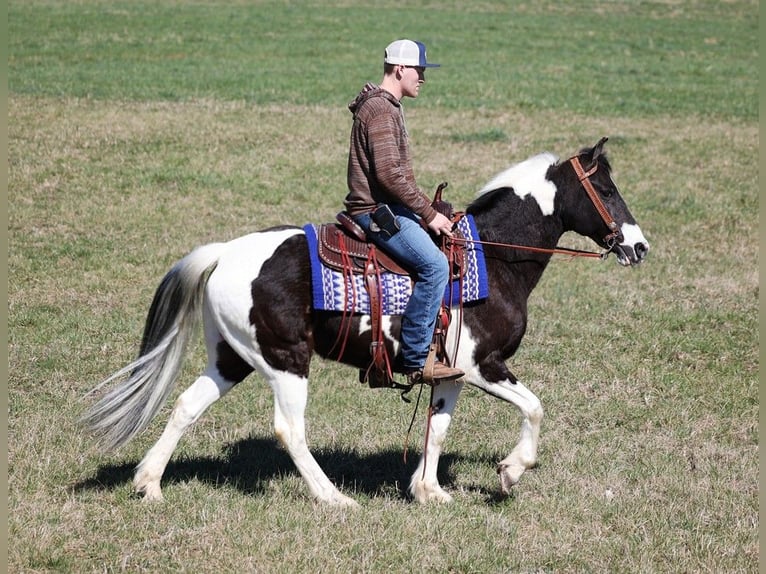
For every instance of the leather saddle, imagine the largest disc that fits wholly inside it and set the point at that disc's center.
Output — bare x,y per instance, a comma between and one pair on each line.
344,246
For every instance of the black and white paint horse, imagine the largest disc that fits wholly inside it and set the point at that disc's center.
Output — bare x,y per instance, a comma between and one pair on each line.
254,294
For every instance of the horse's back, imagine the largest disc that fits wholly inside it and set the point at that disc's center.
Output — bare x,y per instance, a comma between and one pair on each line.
261,280
243,257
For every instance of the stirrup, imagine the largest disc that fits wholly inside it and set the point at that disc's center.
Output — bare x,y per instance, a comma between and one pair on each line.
428,367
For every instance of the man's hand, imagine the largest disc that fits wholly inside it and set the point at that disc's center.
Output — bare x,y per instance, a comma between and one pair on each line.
441,225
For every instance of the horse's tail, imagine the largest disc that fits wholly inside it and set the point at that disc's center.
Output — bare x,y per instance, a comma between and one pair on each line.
128,408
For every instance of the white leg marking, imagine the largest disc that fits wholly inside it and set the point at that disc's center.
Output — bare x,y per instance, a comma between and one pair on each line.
524,454
424,486
290,398
188,408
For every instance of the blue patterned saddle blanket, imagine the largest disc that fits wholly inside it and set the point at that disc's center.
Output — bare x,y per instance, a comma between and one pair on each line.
331,291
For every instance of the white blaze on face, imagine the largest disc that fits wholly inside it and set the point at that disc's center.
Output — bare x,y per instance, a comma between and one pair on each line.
632,235
633,247
528,178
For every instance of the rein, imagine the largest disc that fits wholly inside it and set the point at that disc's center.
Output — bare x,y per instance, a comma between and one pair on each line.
572,253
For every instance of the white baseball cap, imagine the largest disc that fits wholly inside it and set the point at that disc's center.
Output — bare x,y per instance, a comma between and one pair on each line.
407,53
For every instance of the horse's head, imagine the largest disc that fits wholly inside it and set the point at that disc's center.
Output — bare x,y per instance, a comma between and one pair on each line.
599,211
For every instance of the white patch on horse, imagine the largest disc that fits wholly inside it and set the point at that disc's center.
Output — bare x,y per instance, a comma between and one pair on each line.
365,324
228,291
528,178
466,346
632,235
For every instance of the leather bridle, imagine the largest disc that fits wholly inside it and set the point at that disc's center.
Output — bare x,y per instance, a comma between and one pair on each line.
615,235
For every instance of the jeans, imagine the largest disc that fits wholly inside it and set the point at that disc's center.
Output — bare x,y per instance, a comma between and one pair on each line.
413,248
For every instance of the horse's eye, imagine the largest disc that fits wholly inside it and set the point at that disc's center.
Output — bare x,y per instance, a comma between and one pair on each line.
608,192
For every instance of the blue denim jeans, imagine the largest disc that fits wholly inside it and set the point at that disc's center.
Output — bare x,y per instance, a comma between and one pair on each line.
413,248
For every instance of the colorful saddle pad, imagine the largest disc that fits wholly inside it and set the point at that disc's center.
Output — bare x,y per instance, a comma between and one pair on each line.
330,291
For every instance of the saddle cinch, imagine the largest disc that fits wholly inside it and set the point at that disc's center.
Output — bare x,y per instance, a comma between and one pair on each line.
344,246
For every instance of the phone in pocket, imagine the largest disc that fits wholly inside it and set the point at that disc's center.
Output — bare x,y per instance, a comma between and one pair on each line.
385,219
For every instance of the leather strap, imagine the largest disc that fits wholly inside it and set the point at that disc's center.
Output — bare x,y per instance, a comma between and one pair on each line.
584,178
372,282
428,368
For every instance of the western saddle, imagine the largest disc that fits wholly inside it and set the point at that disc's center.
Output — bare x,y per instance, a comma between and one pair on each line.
344,246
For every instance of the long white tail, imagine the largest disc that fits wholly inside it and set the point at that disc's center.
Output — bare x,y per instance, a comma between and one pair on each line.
128,408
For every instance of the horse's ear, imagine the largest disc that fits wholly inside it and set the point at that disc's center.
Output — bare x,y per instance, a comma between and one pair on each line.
595,152
598,149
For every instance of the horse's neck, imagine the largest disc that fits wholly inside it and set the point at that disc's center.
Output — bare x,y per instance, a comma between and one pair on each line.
512,226
517,273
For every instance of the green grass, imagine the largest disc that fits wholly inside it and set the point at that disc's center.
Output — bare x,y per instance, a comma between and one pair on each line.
140,130
671,58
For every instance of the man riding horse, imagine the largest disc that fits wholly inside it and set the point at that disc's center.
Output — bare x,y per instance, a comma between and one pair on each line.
385,201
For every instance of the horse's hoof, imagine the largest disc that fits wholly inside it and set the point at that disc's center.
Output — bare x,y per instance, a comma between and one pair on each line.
338,500
151,492
509,474
424,493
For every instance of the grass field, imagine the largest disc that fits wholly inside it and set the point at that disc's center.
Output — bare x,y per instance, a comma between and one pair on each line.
138,130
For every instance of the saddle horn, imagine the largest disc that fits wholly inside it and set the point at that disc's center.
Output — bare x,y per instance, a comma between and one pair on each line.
443,207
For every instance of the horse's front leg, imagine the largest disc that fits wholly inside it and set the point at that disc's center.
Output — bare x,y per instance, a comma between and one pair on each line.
524,454
424,485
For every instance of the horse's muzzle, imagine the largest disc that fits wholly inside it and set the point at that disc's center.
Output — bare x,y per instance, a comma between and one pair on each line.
629,255
633,246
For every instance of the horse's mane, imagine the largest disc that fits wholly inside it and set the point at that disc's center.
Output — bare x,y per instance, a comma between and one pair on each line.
524,176
516,175
519,176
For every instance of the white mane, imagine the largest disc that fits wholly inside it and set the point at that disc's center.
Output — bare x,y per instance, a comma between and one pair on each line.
528,178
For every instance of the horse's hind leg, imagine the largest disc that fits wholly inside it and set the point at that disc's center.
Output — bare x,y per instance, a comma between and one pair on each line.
207,389
290,398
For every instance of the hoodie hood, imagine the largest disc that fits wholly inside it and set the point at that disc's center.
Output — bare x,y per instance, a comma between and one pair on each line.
370,90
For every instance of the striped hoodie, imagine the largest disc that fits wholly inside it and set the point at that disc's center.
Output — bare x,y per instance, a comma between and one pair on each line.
379,160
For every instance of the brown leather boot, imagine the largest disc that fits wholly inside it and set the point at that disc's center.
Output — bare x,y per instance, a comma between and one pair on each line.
439,374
